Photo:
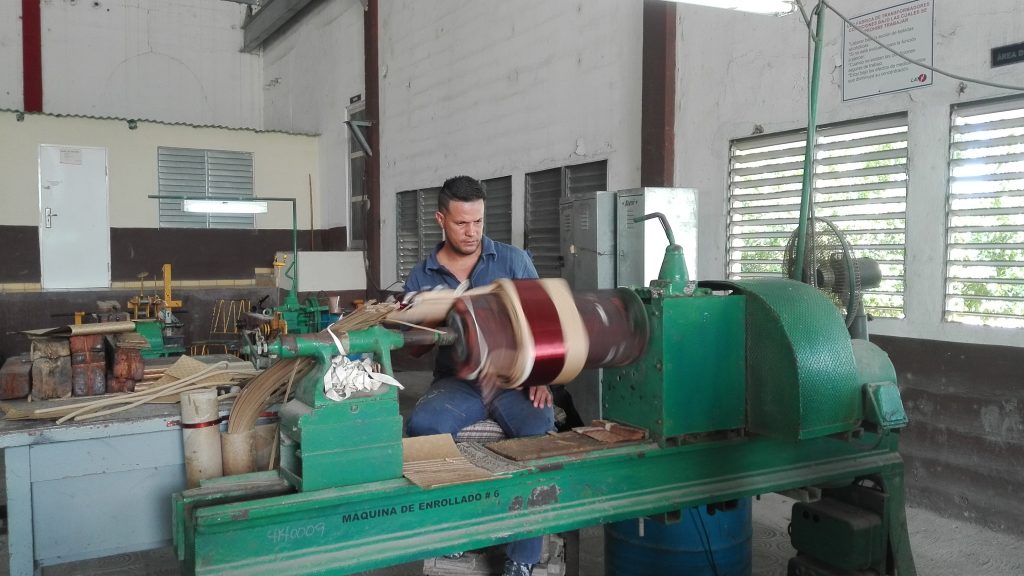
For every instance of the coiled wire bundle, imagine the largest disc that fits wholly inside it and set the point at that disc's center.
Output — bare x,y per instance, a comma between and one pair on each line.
534,332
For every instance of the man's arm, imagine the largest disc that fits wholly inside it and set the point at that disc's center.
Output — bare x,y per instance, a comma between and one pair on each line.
416,283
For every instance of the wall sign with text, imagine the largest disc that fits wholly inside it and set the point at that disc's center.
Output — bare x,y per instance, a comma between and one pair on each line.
869,69
1011,54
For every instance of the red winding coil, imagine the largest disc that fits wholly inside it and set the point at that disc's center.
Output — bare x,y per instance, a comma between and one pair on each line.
546,328
528,333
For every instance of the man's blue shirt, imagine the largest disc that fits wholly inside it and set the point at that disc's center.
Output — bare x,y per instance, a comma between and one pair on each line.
497,260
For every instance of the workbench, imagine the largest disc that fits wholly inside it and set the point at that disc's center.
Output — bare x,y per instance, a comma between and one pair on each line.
83,490
90,489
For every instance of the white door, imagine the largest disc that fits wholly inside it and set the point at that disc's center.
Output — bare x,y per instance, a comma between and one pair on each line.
74,233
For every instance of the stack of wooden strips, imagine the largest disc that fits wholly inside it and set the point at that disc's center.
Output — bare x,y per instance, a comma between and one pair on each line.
187,367
367,316
195,375
276,383
273,385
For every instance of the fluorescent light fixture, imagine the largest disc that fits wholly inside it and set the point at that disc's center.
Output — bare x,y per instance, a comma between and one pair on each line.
757,6
224,206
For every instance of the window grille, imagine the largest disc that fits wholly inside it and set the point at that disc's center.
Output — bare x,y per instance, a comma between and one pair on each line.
359,201
418,232
544,189
498,214
860,183
985,215
198,173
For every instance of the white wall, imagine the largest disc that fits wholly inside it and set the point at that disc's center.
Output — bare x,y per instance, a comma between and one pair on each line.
495,88
310,71
282,165
11,91
738,71
168,60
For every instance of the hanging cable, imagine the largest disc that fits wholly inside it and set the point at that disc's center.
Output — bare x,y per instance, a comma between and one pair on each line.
807,19
705,540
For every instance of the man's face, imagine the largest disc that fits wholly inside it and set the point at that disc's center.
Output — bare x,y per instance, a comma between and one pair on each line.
463,225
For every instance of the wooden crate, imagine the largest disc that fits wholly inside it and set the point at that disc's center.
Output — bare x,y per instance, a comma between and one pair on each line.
51,378
88,379
88,343
51,348
16,377
88,365
127,369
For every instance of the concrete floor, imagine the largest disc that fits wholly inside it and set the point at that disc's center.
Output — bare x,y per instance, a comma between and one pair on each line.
941,546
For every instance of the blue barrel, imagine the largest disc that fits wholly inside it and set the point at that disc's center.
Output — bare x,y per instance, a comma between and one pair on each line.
700,544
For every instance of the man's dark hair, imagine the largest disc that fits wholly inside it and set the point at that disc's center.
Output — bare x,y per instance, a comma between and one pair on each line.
460,189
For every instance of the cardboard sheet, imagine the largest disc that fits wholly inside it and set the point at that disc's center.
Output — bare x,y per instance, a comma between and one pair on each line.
612,432
432,461
560,444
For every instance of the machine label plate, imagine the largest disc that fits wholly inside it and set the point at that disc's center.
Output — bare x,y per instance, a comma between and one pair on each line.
420,506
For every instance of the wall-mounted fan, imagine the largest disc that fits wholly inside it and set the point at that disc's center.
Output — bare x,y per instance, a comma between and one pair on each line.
831,266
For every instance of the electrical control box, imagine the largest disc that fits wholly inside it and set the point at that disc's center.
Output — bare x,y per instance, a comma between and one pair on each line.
640,246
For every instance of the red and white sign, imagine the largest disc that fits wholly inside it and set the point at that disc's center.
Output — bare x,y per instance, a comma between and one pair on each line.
869,69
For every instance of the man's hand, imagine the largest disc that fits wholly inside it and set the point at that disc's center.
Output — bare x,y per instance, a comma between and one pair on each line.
541,396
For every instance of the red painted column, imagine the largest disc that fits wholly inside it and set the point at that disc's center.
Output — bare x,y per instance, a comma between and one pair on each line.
658,95
32,55
371,65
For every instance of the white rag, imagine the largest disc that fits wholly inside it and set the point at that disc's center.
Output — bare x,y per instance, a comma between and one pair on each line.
346,377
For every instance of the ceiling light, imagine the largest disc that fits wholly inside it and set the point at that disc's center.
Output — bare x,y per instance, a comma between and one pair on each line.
778,7
224,206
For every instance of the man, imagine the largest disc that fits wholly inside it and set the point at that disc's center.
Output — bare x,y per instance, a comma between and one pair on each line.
451,403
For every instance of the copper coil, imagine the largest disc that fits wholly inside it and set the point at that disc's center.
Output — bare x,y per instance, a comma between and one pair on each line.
616,322
560,340
532,332
482,328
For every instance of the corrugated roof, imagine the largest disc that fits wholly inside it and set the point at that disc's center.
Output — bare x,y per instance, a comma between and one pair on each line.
150,121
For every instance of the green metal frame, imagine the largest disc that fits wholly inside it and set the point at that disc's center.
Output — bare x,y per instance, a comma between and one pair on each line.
301,319
321,438
153,331
350,529
357,513
708,380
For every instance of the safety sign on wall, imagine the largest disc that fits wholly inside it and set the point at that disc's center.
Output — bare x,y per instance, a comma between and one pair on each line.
870,69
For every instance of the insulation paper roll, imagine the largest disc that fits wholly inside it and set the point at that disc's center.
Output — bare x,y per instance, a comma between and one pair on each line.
200,433
239,452
265,442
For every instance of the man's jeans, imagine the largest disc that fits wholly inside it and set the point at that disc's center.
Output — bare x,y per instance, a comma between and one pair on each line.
452,404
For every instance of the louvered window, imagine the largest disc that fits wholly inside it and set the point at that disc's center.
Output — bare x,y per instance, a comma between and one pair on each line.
418,232
198,173
860,183
544,189
498,213
359,205
985,226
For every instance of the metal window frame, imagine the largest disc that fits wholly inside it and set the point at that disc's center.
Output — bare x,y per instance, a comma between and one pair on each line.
970,255
498,215
355,152
204,172
424,235
832,198
572,179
